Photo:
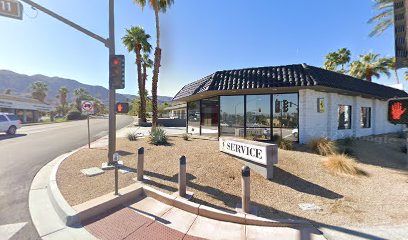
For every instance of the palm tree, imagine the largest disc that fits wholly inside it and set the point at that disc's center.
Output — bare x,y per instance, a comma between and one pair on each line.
79,94
384,19
136,40
370,65
39,90
157,5
147,63
62,96
392,65
335,59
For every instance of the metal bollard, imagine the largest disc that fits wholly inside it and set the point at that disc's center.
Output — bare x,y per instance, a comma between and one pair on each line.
182,177
140,164
246,189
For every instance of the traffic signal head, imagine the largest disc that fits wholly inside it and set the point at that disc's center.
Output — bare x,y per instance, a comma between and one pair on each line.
285,105
397,111
277,106
122,107
117,71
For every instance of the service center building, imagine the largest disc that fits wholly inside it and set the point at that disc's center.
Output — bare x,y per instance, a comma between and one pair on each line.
298,102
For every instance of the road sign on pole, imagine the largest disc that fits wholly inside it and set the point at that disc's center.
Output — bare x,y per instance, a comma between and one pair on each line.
87,107
11,9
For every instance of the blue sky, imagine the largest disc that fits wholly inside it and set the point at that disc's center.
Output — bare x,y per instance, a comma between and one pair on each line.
198,38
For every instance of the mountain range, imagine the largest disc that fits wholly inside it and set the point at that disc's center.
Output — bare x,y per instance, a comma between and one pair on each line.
20,85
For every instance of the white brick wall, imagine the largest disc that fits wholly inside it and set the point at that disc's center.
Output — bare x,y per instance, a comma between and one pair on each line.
313,124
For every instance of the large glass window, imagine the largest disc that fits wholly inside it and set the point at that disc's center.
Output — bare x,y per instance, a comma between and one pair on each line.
209,116
258,117
285,116
193,117
344,117
232,116
365,117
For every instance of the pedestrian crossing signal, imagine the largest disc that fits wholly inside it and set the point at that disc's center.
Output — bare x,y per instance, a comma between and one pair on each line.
122,107
397,111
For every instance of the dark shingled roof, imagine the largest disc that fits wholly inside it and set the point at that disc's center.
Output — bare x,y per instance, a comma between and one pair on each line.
298,75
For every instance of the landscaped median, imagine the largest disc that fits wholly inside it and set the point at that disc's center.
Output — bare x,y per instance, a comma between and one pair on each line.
215,179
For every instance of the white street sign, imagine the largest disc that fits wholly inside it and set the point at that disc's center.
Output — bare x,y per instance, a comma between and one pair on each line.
87,107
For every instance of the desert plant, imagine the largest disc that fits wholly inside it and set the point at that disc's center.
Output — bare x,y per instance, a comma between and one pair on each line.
342,164
132,136
158,136
285,144
75,115
323,146
186,137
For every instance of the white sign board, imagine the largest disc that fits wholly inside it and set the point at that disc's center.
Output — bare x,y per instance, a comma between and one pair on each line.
250,150
87,107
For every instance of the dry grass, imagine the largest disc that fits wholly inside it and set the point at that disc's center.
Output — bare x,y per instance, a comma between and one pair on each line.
285,144
323,146
343,165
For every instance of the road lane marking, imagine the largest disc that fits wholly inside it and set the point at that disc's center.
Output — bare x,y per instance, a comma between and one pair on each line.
9,230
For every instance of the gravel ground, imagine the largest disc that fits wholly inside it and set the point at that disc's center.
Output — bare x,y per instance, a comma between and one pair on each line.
214,177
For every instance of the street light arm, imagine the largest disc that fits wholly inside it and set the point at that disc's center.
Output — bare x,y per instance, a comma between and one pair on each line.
68,22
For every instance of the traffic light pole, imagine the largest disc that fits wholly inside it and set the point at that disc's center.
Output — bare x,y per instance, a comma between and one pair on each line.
109,43
112,92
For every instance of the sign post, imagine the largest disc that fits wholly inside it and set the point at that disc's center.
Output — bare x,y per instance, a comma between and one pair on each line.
398,114
87,108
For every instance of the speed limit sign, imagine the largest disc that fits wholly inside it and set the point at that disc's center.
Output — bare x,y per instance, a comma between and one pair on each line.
87,107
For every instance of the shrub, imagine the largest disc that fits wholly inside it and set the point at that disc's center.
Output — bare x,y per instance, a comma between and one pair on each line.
403,148
75,115
323,146
132,136
348,151
342,164
158,136
276,137
186,136
285,144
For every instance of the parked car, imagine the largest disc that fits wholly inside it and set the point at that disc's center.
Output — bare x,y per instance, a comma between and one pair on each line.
9,123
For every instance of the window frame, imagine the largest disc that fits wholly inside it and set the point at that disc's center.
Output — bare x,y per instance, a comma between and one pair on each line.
362,124
349,117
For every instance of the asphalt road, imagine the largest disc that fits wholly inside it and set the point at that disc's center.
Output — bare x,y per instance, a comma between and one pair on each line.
23,155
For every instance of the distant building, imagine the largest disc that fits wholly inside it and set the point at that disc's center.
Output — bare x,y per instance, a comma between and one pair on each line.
400,29
177,111
26,109
296,102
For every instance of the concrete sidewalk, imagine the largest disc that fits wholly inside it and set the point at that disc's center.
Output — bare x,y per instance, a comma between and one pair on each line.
149,218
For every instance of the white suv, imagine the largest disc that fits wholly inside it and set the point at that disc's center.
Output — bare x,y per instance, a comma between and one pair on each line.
9,123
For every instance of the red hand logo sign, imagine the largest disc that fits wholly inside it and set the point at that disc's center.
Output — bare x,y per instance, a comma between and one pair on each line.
119,107
397,111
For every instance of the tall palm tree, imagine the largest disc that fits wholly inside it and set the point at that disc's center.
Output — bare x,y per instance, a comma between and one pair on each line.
39,90
136,40
62,96
370,65
147,63
335,59
79,94
157,6
384,19
392,65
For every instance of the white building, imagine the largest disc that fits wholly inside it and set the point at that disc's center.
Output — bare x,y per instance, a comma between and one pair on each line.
298,102
26,109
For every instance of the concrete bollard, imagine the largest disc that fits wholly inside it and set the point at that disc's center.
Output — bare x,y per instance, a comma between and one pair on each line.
140,164
182,178
246,189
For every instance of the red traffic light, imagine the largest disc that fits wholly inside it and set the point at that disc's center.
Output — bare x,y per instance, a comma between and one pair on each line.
397,111
115,61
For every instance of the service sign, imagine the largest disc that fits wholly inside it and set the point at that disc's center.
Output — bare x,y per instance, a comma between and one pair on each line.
11,8
244,150
398,111
87,107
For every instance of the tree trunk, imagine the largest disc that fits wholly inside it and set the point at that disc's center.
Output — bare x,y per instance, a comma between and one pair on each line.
143,99
396,76
156,67
138,49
